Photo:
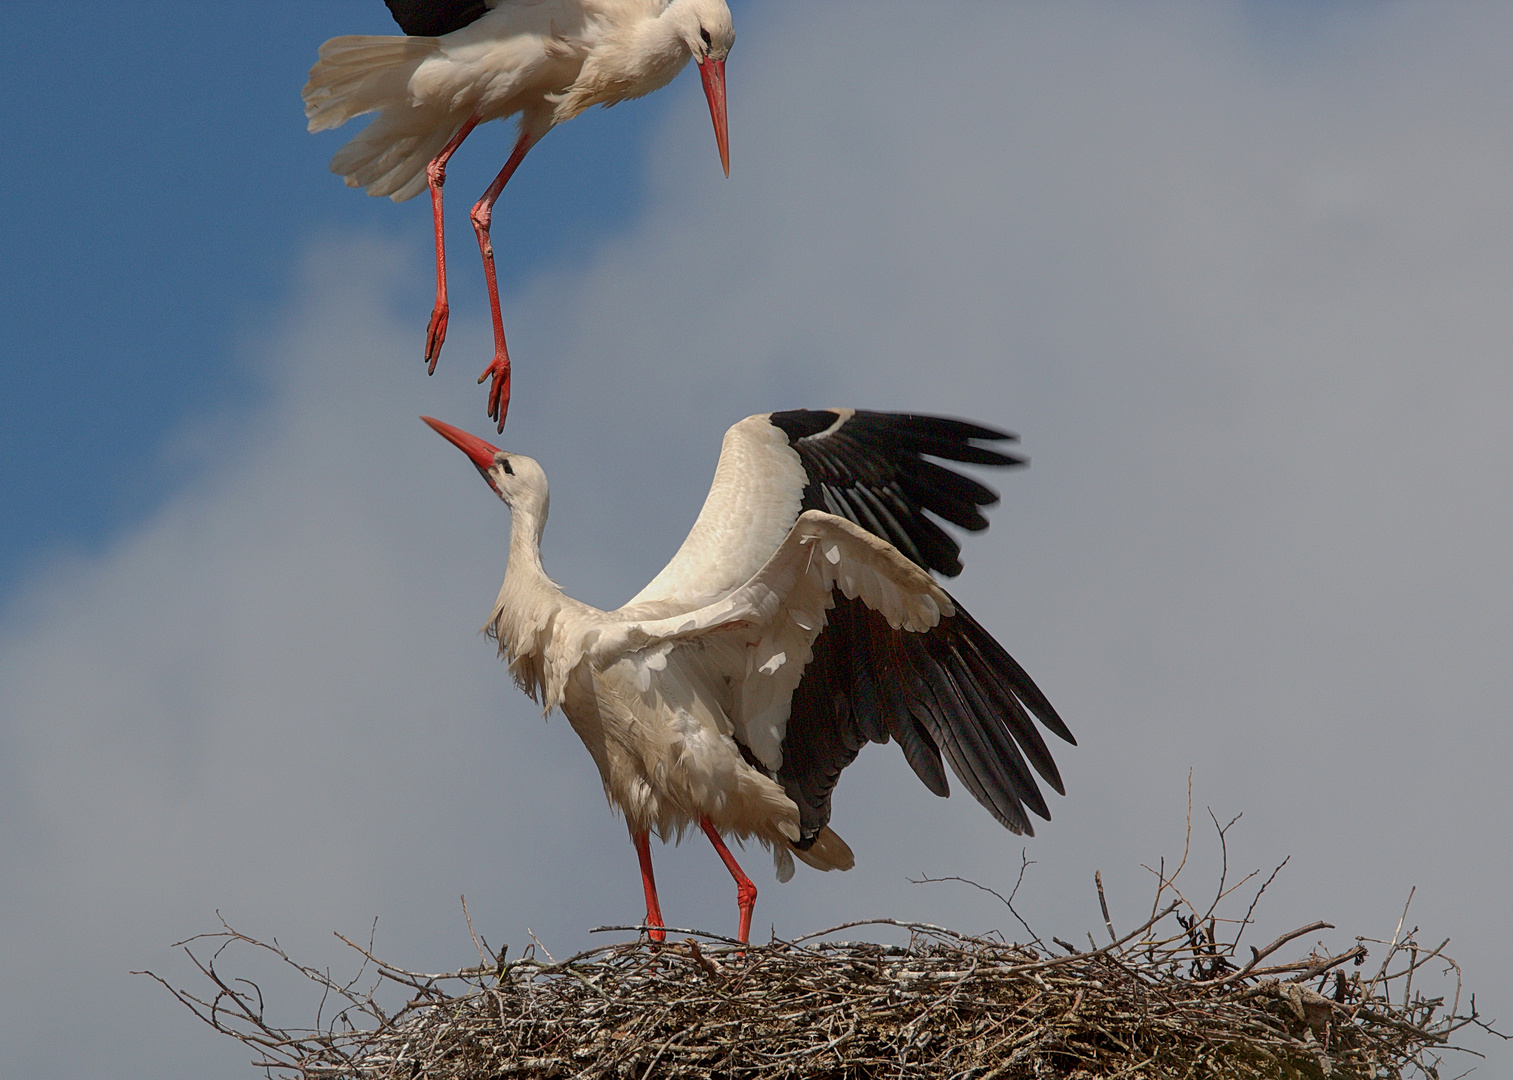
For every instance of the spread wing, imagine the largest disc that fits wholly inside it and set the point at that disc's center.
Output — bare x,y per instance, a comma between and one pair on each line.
433,18
953,692
951,695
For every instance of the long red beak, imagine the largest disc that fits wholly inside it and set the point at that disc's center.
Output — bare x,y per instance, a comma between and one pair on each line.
479,452
713,74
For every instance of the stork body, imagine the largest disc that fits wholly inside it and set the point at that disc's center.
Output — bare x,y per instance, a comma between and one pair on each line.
733,689
471,61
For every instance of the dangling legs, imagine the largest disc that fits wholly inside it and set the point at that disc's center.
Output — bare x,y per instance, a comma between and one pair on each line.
745,891
653,909
436,176
483,213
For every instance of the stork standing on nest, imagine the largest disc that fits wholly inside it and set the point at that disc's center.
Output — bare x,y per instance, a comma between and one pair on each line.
797,622
466,62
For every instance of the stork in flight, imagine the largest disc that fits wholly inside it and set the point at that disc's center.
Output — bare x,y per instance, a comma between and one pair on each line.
797,622
466,62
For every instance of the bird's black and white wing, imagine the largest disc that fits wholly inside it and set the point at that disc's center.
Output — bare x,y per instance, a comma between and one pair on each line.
433,18
952,695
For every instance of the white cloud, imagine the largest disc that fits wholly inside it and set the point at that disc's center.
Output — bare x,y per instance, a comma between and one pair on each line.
1246,303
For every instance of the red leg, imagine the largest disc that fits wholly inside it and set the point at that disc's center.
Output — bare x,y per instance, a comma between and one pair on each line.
483,215
745,891
436,176
653,909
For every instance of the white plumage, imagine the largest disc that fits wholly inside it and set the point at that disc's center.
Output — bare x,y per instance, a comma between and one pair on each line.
691,697
544,61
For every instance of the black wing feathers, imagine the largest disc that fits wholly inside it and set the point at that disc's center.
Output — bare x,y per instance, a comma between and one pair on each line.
432,18
870,470
950,695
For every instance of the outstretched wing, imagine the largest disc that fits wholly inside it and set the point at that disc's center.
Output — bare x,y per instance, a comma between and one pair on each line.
868,467
953,691
432,18
949,695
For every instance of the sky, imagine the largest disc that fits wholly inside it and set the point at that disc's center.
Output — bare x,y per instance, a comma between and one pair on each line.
1236,273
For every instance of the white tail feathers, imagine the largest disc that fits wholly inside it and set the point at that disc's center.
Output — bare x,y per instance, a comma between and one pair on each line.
362,74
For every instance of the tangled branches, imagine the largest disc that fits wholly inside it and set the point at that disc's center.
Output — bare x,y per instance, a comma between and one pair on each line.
1171,998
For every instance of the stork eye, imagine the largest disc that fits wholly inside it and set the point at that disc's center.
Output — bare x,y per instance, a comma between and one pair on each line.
507,470
705,35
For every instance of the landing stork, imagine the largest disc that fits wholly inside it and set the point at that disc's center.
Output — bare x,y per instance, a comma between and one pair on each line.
797,622
466,62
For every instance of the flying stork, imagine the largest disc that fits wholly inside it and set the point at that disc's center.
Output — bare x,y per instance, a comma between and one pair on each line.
798,621
466,62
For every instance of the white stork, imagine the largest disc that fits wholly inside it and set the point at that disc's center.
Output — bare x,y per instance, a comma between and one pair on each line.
466,62
797,622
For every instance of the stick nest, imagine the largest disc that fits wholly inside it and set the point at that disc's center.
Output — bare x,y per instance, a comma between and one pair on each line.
1170,999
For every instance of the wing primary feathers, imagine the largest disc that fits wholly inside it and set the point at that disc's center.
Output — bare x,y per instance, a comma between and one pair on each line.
991,774
957,744
874,469
939,548
1008,669
895,533
998,735
923,756
949,695
1020,725
862,514
953,496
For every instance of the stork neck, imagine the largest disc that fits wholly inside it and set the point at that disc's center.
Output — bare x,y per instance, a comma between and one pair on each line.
526,528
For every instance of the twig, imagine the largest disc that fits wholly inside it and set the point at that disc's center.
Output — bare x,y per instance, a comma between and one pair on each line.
1103,903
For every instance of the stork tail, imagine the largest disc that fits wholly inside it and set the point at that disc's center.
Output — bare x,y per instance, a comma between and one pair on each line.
361,74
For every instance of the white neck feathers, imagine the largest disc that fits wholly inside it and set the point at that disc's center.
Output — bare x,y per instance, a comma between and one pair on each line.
526,609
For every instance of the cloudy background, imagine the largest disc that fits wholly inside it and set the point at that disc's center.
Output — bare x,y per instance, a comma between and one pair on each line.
1239,274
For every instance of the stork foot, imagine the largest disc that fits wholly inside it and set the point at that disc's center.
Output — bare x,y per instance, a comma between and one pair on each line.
436,334
499,389
745,898
656,932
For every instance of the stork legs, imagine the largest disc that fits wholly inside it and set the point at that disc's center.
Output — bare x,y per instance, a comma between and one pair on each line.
436,176
649,883
745,891
483,214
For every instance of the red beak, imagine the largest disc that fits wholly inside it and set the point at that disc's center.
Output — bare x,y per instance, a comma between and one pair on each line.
713,74
479,452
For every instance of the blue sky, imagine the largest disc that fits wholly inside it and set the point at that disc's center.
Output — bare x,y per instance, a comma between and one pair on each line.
162,186
1237,273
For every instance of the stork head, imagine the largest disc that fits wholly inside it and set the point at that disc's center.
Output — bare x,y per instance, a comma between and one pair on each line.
515,478
709,33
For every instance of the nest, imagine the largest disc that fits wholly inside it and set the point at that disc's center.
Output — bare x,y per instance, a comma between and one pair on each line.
1169,999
